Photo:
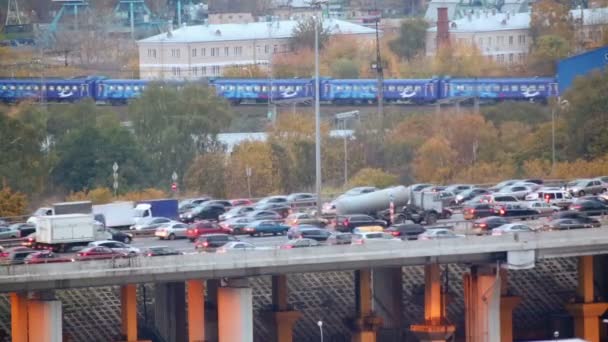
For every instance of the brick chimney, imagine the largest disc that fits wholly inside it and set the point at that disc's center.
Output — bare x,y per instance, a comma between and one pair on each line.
443,30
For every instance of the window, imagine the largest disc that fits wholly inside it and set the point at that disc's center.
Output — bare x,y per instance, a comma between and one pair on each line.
195,71
226,51
176,71
175,53
216,69
489,39
193,53
212,52
510,58
238,50
510,40
480,42
266,48
275,48
500,40
203,52
152,53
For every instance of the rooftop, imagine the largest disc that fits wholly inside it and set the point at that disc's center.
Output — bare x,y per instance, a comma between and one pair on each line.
249,31
488,21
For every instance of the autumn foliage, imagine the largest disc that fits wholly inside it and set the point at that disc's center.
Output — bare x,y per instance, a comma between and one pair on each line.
12,203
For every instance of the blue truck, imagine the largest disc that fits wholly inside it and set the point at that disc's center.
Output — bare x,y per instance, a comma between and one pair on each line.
157,208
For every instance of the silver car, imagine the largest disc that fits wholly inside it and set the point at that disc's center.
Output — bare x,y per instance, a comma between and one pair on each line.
171,231
543,208
439,233
8,233
582,187
517,191
116,246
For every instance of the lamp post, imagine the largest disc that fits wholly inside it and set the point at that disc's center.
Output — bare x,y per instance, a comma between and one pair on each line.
115,175
317,20
320,324
563,104
248,174
174,186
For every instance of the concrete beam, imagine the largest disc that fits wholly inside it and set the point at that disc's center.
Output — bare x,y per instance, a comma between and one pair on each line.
45,320
196,310
19,322
482,304
128,305
235,311
388,302
365,324
170,311
281,318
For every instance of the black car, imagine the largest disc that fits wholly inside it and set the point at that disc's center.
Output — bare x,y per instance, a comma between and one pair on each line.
469,194
206,211
488,223
346,223
309,232
210,242
478,210
118,235
573,223
281,208
590,207
161,251
570,214
406,231
263,215
512,210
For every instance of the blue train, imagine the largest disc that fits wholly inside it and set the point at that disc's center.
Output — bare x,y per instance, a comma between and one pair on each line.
334,91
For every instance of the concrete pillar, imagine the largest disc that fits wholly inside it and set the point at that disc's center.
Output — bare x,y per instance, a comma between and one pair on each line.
45,320
211,310
482,304
235,311
282,318
366,323
586,311
388,302
196,310
128,305
19,322
508,304
434,328
170,311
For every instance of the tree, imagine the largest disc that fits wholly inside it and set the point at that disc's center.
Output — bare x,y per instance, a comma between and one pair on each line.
547,50
256,155
172,126
344,68
372,177
529,114
207,175
303,35
435,161
411,39
12,203
551,17
246,71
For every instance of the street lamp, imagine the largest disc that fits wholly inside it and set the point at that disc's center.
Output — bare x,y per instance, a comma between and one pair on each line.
248,174
115,175
174,184
317,4
563,104
320,324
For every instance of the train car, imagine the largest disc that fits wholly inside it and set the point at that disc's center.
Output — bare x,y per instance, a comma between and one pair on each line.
119,91
16,90
68,90
260,90
500,89
348,91
416,91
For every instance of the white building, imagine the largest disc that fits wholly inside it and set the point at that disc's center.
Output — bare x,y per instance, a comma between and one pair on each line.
193,52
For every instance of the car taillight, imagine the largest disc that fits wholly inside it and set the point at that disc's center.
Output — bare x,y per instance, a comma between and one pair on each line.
577,207
483,225
205,244
395,233
287,247
149,254
502,211
345,223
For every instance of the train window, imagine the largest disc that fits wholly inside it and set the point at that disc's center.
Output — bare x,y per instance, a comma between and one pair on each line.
365,88
299,88
20,87
120,88
59,88
469,88
408,88
239,88
541,87
111,87
74,88
348,88
36,88
460,87
264,88
247,88
505,88
281,88
51,88
143,87
400,88
3,87
338,88
274,88
391,88
417,88
356,88
514,88
135,88
128,88
374,88
43,87
532,88
496,87
524,87
28,87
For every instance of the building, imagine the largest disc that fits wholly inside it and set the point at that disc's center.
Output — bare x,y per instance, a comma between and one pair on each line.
458,9
570,68
506,37
503,37
230,18
194,52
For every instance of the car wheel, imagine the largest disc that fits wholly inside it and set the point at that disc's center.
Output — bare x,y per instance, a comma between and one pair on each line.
171,236
274,234
236,231
191,240
581,193
431,218
127,240
251,234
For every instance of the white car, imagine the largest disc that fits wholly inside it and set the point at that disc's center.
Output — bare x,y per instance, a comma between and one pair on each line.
543,208
116,246
366,237
439,233
510,228
171,231
236,246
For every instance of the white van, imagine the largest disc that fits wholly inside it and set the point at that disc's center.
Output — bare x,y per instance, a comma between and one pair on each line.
554,196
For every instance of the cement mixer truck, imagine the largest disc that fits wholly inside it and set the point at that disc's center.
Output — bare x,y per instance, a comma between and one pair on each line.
416,206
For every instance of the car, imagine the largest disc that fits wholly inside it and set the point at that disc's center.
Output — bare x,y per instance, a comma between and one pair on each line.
235,225
488,223
458,188
151,223
299,243
210,242
510,228
302,199
206,211
571,223
224,203
478,210
469,194
448,198
304,218
420,187
346,223
235,246
263,215
236,212
366,237
280,208
116,246
591,208
309,232
241,202
9,233
598,198
273,199
337,238
502,184
406,231
517,210
329,208
171,231
262,227
202,228
499,198
543,208
582,187
439,233
24,228
553,196
45,257
160,251
121,236
517,191
16,255
99,252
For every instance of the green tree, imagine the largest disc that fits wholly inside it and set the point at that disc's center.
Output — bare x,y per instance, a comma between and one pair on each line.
344,68
525,112
207,175
303,35
373,177
411,39
172,126
547,50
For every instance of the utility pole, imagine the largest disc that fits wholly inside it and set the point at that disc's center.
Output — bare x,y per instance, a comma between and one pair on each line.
379,71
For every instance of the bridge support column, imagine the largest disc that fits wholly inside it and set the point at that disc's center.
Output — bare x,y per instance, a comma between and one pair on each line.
388,302
235,311
128,301
169,311
482,304
19,323
281,318
196,310
38,318
435,328
586,311
507,306
365,323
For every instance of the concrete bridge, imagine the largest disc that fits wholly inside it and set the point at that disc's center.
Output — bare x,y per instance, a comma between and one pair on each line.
377,280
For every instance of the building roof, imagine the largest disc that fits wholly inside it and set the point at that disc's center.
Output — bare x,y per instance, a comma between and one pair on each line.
591,16
487,21
249,31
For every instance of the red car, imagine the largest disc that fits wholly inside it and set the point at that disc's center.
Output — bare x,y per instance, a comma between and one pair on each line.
45,257
242,201
99,252
204,227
